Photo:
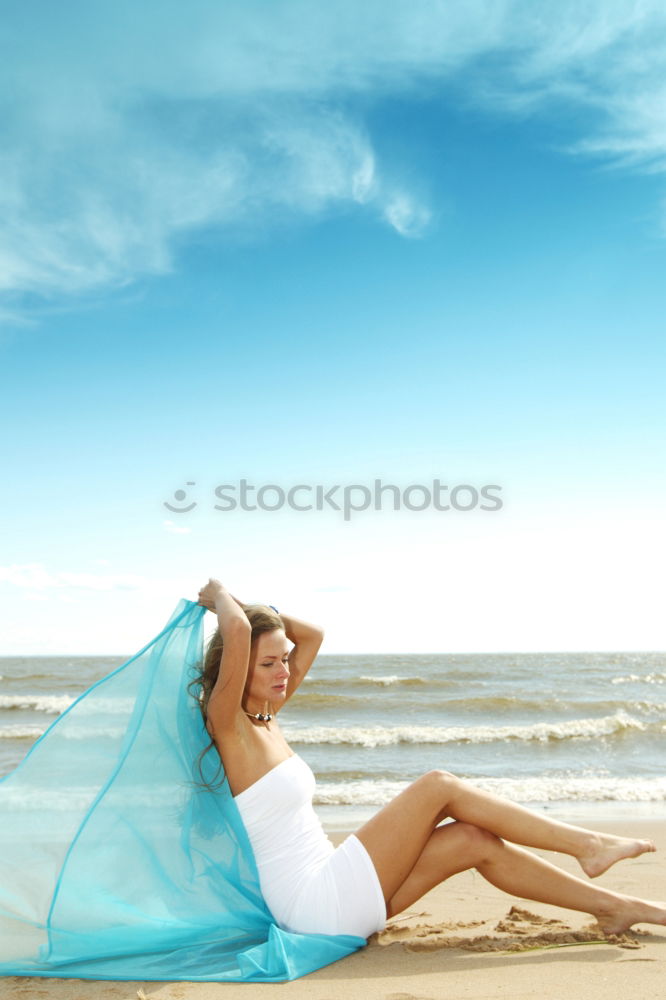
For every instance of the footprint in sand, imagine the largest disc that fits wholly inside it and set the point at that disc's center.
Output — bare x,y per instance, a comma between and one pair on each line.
519,930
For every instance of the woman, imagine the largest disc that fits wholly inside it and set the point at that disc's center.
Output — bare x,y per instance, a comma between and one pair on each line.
250,672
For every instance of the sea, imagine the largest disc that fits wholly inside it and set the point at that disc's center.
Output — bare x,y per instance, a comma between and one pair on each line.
579,735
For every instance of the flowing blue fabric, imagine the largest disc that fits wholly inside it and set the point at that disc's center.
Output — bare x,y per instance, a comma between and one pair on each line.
115,864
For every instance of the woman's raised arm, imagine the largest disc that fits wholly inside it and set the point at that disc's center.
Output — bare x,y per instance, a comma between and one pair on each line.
225,699
307,639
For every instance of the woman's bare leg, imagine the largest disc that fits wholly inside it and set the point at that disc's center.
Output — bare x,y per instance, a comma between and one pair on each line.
456,846
397,835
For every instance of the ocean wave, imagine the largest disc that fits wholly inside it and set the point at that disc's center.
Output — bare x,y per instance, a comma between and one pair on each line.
56,704
387,680
77,798
378,736
542,732
375,792
589,788
52,704
18,732
78,732
91,733
538,706
380,680
654,678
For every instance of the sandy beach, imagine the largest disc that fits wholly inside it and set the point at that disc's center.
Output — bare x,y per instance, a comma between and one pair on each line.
463,939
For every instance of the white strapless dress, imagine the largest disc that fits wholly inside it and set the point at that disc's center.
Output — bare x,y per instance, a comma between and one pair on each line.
310,886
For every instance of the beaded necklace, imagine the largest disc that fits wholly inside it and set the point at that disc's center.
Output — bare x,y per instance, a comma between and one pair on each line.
260,716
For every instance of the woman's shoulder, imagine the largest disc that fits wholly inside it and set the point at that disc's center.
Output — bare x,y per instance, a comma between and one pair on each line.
248,751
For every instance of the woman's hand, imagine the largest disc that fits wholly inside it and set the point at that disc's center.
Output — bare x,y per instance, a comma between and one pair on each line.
209,593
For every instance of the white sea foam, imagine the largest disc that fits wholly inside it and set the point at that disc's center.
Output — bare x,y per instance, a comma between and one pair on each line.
93,733
654,678
376,736
77,798
595,788
18,732
52,704
60,799
55,704
76,732
368,792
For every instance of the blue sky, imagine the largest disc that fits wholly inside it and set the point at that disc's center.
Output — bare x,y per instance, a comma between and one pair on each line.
319,244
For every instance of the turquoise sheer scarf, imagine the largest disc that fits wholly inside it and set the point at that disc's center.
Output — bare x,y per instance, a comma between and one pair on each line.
114,864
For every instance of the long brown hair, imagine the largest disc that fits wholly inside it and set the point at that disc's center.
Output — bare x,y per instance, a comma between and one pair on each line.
262,619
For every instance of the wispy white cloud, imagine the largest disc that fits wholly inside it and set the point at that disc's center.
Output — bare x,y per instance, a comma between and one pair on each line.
35,577
31,575
406,215
176,529
128,126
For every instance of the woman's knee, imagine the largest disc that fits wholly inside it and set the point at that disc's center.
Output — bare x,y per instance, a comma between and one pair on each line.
482,844
441,782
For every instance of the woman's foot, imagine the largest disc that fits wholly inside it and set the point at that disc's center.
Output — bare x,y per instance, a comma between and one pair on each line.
604,850
629,911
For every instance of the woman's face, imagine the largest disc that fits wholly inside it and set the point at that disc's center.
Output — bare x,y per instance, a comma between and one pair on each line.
268,671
